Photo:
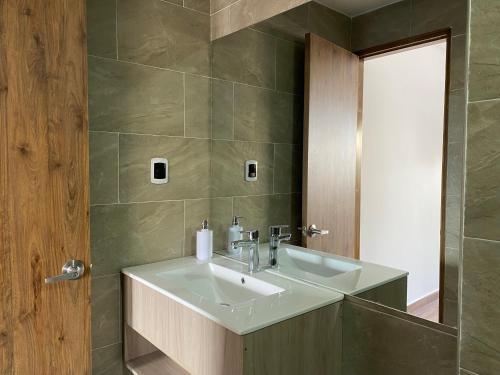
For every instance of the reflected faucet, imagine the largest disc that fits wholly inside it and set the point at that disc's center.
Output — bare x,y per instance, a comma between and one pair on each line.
253,249
275,238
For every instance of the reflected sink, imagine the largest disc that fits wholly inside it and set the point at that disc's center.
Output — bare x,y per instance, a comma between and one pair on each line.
219,284
313,264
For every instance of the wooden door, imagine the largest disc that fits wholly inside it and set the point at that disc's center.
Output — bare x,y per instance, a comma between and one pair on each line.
44,215
332,96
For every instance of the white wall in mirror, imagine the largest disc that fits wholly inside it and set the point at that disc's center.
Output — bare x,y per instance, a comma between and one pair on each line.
403,109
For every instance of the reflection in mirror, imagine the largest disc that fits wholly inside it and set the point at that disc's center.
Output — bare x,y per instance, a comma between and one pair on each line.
351,150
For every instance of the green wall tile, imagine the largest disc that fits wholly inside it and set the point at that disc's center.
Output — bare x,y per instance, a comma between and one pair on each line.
384,25
454,169
222,109
217,5
135,99
108,360
456,117
228,168
218,211
200,5
106,311
124,235
103,167
482,204
450,293
329,24
247,56
101,28
484,69
287,168
431,15
262,211
291,25
266,116
452,224
290,66
480,319
154,32
188,164
457,62
198,103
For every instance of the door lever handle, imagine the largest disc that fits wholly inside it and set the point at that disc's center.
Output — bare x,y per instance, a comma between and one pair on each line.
72,270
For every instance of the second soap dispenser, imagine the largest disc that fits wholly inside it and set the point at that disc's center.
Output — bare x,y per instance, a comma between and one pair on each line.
234,234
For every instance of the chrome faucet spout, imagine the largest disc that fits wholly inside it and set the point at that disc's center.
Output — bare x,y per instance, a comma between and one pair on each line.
253,249
275,238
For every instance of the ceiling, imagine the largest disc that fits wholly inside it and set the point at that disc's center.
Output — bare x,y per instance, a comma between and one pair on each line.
353,8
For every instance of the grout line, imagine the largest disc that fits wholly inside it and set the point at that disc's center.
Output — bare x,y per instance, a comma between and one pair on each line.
221,9
106,346
275,65
116,27
184,232
184,101
182,6
481,239
118,177
233,112
274,167
191,199
483,101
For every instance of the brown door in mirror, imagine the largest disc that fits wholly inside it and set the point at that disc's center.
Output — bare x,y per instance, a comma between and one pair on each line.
332,97
44,327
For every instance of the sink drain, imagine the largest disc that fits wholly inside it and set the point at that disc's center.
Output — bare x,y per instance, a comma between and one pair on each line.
224,304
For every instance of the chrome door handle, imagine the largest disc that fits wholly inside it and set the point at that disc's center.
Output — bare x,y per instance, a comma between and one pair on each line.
313,231
72,270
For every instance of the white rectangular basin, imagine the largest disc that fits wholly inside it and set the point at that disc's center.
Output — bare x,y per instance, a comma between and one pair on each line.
219,284
224,292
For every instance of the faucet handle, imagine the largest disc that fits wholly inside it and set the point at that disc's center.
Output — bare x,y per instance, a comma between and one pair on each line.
253,234
275,230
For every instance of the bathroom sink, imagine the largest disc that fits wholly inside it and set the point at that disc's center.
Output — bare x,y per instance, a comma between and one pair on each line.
222,290
313,263
219,284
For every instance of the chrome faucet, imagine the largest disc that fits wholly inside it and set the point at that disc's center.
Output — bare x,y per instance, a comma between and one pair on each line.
275,237
253,249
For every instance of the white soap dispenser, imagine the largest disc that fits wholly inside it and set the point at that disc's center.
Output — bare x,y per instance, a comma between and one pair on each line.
204,242
234,234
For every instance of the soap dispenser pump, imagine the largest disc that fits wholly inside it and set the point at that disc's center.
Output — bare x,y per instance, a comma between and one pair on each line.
234,234
204,242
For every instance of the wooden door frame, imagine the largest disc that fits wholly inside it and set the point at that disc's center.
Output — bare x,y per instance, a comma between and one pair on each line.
391,47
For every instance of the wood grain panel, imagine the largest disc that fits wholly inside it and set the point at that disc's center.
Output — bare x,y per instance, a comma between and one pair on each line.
43,97
307,344
330,142
202,347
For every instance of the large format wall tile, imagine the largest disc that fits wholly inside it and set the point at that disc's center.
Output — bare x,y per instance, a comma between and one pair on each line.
108,360
454,169
101,28
135,99
480,320
198,94
106,324
199,5
103,167
457,62
431,15
329,24
456,117
287,168
452,224
450,293
154,32
222,109
262,211
188,168
290,58
266,116
381,26
217,5
130,234
218,212
484,70
247,56
228,168
376,343
482,205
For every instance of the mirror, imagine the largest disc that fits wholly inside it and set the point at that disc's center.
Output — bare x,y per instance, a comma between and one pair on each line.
352,144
